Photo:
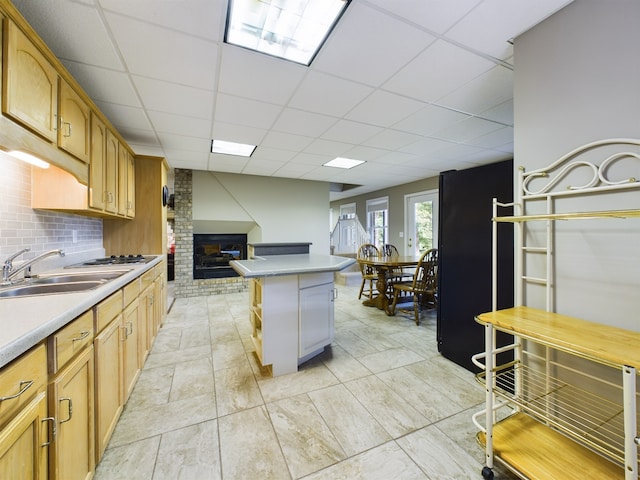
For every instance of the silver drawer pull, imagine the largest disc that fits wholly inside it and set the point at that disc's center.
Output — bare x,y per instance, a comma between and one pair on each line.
23,389
67,399
54,431
84,334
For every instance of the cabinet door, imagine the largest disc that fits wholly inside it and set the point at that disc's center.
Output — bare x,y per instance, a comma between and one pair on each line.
73,125
108,383
31,86
131,186
23,453
145,310
122,180
316,318
71,403
131,338
111,173
97,164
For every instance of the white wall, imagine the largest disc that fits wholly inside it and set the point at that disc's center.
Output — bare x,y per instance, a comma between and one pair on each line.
268,209
576,81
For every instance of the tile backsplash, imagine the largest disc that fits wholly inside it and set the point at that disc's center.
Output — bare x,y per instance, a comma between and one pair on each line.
40,230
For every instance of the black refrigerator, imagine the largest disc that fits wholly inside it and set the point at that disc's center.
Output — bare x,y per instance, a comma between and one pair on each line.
464,248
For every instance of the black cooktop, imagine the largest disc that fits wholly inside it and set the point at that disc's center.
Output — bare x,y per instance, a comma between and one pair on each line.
116,260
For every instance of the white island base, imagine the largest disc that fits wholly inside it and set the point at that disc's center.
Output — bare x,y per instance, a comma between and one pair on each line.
292,317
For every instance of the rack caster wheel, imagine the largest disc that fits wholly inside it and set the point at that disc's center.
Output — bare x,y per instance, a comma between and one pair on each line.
487,473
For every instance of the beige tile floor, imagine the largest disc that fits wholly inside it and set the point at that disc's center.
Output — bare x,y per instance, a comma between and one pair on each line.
380,403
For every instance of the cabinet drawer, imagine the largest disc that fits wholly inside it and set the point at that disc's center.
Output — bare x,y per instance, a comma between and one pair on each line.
69,340
130,292
21,380
312,279
107,310
147,278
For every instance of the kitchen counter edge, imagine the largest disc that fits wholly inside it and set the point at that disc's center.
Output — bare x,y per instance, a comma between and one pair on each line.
37,317
296,264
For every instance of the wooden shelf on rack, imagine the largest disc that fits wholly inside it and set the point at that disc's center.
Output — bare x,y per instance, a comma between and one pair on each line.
569,216
537,451
594,341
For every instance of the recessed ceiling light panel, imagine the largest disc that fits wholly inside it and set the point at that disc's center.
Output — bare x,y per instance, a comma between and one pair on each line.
340,162
290,29
232,148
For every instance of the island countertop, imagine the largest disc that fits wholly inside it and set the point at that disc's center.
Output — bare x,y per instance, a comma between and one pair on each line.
271,265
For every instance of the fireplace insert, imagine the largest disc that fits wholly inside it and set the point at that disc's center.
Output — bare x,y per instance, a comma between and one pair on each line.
212,253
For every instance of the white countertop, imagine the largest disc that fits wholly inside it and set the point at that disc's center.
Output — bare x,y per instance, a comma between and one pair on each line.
290,264
26,321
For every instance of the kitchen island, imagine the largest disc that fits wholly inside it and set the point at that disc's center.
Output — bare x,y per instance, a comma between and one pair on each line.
291,306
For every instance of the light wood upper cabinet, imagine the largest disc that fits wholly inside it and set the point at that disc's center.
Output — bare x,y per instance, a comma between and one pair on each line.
74,116
98,164
131,186
111,175
30,94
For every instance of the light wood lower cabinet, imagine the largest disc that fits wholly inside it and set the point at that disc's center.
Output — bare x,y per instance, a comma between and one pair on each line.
130,337
108,385
24,442
25,430
71,403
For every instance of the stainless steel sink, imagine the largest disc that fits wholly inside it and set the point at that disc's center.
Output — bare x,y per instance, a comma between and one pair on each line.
66,282
76,277
44,289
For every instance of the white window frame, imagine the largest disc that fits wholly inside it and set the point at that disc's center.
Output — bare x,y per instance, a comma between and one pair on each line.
373,205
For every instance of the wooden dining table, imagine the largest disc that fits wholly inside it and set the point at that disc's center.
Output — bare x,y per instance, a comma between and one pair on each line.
384,266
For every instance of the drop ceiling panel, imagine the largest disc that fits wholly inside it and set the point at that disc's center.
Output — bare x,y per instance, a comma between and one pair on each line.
435,15
173,98
303,123
466,129
124,117
351,132
429,119
105,85
483,92
327,94
438,71
286,141
241,69
238,133
179,124
165,55
201,18
243,111
368,46
384,109
81,35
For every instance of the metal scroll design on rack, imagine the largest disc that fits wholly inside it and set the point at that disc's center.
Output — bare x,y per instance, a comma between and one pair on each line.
561,168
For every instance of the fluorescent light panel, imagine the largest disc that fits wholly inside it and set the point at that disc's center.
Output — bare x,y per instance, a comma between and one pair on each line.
290,29
340,162
232,148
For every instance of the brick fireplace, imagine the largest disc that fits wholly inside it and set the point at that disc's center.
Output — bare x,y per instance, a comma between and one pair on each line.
185,284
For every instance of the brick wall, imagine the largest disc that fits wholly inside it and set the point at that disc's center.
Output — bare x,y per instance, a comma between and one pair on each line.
41,230
185,285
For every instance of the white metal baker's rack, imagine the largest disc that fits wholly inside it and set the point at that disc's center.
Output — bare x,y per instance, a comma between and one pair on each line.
551,176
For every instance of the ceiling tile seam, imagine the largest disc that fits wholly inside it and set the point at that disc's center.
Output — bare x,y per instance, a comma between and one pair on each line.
216,86
158,25
443,37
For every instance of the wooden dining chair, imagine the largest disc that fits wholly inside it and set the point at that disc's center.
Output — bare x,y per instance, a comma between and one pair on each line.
369,274
396,274
423,287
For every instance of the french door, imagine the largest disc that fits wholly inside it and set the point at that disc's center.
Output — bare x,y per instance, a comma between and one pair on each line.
421,222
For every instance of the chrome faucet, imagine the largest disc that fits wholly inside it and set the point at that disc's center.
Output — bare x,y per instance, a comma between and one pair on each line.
8,272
